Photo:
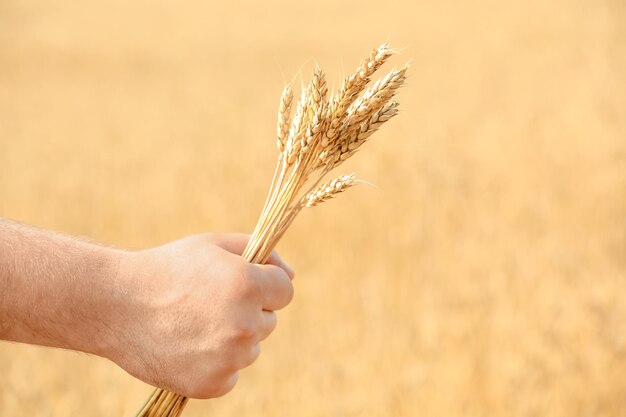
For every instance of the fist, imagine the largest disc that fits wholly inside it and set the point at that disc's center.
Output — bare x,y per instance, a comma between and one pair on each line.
191,313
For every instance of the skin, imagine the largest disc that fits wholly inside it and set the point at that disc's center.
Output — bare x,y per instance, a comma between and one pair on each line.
185,316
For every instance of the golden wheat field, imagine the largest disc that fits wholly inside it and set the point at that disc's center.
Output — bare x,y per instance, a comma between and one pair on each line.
484,273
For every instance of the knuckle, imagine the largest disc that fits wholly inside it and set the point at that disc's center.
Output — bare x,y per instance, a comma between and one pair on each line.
225,385
281,280
249,357
242,271
207,390
245,329
273,321
210,238
285,290
289,292
212,387
238,279
255,353
270,325
202,390
227,365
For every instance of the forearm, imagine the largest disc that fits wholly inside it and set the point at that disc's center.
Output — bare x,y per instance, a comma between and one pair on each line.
53,288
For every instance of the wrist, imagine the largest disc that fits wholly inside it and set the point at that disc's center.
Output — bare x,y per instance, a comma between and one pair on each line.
103,310
84,305
120,311
80,315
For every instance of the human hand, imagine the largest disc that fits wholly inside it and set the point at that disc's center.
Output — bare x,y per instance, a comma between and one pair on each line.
191,313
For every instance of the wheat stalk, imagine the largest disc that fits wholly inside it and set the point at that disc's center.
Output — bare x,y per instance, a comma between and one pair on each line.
322,134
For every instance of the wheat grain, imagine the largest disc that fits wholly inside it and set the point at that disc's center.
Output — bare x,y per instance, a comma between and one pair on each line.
350,89
284,111
366,129
328,190
293,144
379,94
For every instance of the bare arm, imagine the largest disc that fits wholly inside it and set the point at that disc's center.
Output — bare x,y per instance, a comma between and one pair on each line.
186,316
53,288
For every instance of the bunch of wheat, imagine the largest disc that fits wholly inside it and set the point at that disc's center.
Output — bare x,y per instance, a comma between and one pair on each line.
321,135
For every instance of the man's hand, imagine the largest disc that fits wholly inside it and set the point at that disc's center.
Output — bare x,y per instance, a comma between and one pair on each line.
196,312
186,316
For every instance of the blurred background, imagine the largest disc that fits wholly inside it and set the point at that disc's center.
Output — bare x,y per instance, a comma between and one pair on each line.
483,275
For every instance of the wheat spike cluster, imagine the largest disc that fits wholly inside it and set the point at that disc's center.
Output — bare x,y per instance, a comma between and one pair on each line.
318,135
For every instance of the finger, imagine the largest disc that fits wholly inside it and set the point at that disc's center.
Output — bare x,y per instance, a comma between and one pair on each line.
236,243
252,355
268,324
276,260
233,242
228,385
275,286
216,386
